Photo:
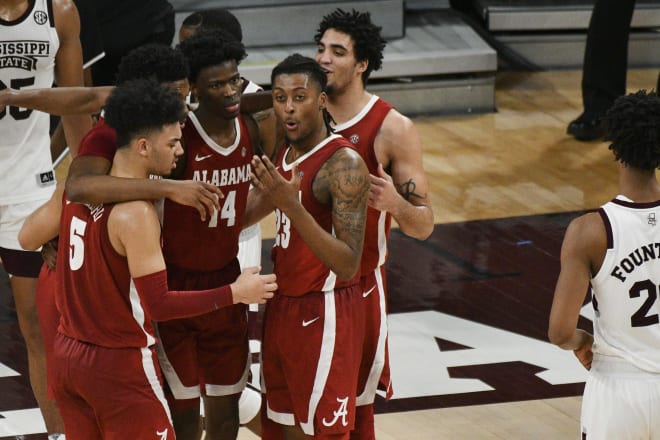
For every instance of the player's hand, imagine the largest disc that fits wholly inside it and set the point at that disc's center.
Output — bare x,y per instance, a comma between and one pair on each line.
280,192
199,195
49,254
252,288
584,353
383,195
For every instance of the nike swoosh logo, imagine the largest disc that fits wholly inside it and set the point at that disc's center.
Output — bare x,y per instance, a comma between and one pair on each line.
306,323
366,294
199,158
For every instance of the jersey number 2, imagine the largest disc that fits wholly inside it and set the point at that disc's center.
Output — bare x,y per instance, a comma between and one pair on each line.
641,317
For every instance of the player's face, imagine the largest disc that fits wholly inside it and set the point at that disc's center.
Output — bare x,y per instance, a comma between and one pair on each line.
165,149
298,104
218,89
335,53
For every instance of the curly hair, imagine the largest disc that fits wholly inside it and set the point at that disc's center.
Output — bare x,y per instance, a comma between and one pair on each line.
633,124
140,106
153,61
215,19
211,48
368,44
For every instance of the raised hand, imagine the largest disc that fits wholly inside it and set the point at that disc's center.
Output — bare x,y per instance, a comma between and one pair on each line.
280,192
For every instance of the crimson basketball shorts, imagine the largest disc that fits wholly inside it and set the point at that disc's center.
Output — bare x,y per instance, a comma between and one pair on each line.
109,393
208,351
49,319
375,363
310,359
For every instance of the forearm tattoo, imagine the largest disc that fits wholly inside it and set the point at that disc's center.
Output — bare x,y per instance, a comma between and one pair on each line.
407,190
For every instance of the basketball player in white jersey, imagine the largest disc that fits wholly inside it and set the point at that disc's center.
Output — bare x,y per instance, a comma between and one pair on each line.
617,251
39,44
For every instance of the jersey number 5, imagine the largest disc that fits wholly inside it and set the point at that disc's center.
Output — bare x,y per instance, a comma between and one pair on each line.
76,244
641,317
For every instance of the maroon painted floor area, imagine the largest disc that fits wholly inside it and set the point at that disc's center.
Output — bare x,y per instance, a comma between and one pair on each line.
495,272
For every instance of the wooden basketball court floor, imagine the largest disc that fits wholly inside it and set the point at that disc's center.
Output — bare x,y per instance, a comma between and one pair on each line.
469,306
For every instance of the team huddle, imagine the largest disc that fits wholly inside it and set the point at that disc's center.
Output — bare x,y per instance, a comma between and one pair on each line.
144,309
137,279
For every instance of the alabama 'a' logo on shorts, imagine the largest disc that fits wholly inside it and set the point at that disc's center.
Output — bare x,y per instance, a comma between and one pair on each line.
341,413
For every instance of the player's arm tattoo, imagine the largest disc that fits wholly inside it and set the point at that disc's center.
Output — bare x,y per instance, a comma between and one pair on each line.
346,183
407,190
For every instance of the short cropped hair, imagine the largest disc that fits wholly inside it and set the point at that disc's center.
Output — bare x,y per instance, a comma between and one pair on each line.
215,19
136,108
297,63
211,48
368,44
153,61
633,124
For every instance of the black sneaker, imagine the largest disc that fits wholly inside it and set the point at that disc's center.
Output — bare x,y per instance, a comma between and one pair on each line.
586,128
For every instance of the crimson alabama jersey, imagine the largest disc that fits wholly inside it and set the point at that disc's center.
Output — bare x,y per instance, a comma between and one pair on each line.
96,297
361,131
210,245
298,269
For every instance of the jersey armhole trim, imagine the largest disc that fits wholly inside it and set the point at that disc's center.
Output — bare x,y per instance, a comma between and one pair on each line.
51,18
608,228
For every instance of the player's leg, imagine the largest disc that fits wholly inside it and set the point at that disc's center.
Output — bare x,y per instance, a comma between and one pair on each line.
617,402
23,268
374,363
78,415
224,365
177,356
49,318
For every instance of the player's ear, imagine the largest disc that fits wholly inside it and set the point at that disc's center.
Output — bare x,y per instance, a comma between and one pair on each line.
362,66
143,146
323,100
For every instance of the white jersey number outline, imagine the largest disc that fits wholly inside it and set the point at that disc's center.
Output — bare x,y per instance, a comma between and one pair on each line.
228,211
76,243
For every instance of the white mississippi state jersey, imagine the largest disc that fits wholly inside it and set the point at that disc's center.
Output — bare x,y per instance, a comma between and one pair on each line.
627,310
28,46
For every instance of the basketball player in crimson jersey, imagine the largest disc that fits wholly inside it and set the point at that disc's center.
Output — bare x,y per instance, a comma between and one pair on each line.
208,355
615,252
106,380
319,187
349,48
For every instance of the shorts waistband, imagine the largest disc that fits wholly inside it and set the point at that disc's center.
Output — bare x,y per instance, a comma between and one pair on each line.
611,365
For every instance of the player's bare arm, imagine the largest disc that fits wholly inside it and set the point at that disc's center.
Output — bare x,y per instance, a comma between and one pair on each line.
88,182
59,100
582,254
342,182
44,223
405,194
68,67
